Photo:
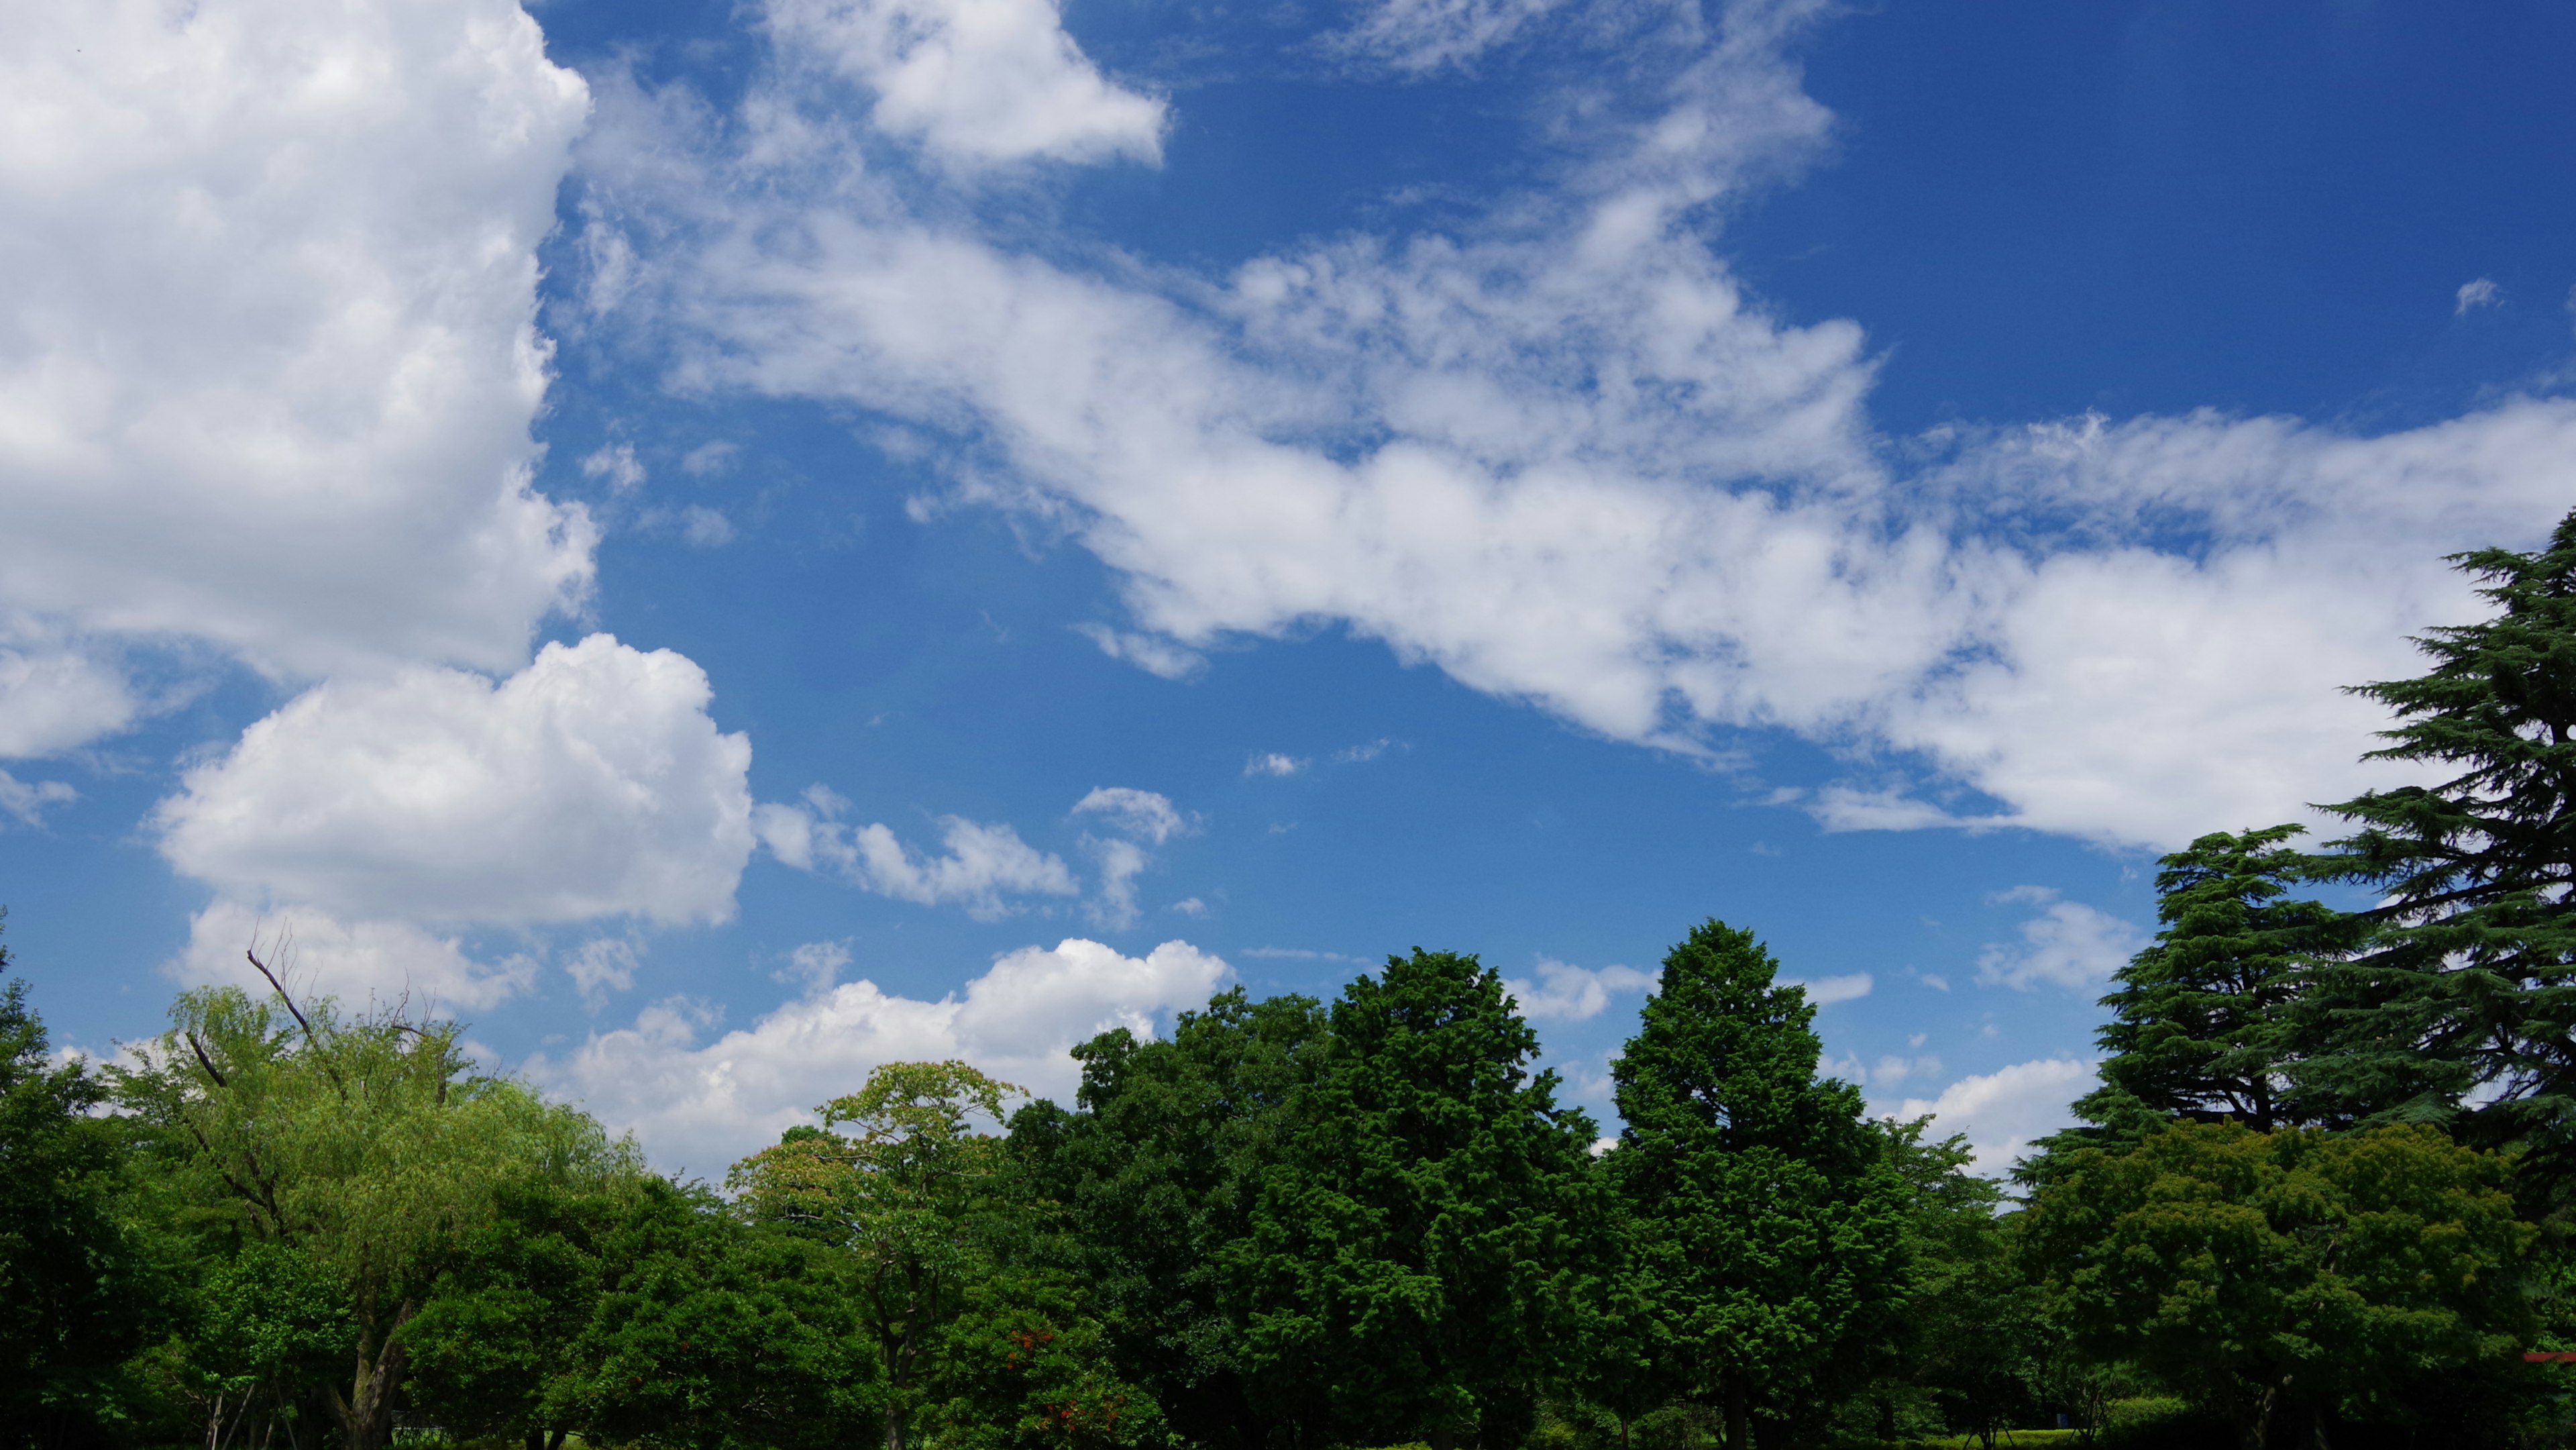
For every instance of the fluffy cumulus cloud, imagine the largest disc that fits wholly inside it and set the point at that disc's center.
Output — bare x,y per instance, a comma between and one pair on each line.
268,362
2003,1112
367,819
359,961
2068,943
1565,993
975,82
592,783
1565,457
698,1100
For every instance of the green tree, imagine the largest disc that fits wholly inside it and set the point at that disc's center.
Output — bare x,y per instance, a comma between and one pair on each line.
912,1196
264,1331
77,1296
1769,1223
2200,1023
1029,1368
492,1348
713,1332
1415,1246
2298,1270
1968,1346
1157,1170
2469,989
365,1143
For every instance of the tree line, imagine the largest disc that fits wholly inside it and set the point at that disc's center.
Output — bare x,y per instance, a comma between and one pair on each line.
2319,1196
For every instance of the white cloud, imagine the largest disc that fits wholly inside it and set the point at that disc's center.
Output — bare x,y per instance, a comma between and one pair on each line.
1273,763
982,867
708,459
701,1106
590,784
1140,813
1826,991
1601,478
1121,862
617,463
2482,292
2068,943
704,528
57,699
1418,36
1144,651
1566,993
2003,1112
600,966
976,82
1891,1070
269,364
28,800
319,954
817,964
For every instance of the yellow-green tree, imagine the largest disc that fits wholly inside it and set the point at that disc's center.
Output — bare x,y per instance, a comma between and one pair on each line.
362,1143
900,1178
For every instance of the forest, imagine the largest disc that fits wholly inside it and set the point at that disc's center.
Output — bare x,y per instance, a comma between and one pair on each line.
2320,1195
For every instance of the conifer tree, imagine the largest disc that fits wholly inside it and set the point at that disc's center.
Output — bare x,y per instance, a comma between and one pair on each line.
1768,1222
2469,987
2200,1021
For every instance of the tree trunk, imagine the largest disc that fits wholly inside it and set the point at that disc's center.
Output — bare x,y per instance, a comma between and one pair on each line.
1737,1436
2254,1418
367,1415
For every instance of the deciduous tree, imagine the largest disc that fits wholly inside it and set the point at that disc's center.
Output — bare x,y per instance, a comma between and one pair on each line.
2262,1272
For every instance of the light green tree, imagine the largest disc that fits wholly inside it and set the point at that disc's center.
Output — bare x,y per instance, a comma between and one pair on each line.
363,1143
902,1180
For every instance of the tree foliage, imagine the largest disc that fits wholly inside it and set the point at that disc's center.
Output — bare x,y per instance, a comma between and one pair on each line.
1414,1248
2469,987
2299,1268
364,1143
1767,1223
910,1195
77,1292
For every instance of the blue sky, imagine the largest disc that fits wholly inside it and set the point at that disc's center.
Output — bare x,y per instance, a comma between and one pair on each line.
728,544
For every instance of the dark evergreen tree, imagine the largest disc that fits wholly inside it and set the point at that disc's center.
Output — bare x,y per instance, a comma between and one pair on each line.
1414,1247
2468,991
2200,1024
1768,1221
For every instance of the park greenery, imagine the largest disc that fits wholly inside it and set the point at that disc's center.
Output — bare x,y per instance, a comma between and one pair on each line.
2321,1195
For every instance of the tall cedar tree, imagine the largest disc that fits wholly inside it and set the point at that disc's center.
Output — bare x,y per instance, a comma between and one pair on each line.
75,1297
1416,1243
1768,1222
2200,1022
1157,1170
2470,988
